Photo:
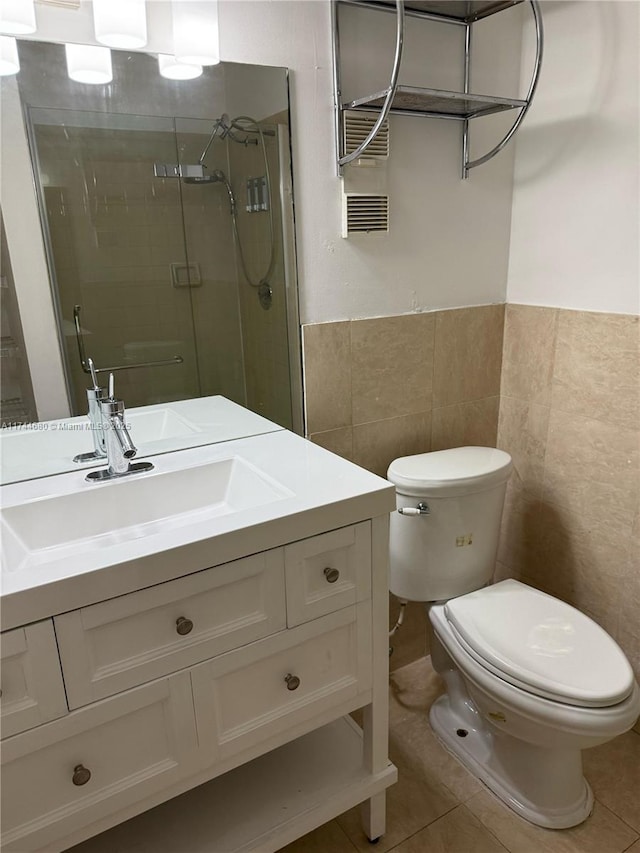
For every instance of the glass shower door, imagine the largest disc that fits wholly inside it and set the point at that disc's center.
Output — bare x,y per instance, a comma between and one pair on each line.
234,237
117,254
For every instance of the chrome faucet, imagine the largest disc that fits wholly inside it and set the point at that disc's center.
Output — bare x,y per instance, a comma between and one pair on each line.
119,446
95,396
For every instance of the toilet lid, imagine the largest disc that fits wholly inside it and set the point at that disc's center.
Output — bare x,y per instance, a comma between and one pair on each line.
458,470
541,645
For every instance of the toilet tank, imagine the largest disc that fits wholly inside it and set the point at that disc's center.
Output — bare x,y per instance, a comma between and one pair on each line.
450,547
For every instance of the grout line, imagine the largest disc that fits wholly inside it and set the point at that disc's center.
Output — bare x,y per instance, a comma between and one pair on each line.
418,831
621,819
488,829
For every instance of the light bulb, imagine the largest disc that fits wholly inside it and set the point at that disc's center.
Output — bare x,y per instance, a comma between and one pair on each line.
17,17
9,62
173,69
195,32
120,23
89,64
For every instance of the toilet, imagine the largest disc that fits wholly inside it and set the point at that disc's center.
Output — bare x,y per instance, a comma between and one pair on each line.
531,681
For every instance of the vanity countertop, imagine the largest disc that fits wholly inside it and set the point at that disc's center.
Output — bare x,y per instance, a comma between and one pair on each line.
149,528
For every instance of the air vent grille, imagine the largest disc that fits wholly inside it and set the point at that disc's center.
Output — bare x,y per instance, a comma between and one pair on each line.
356,128
365,214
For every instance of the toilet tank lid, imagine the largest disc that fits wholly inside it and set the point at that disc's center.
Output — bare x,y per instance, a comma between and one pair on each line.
456,469
541,644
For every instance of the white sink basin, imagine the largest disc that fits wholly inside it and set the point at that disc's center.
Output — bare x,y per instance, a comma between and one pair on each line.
99,516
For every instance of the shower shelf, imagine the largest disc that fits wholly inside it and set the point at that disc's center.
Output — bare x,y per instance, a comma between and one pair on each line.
431,103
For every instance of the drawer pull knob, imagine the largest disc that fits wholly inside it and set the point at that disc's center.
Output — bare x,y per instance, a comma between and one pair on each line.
81,775
184,626
293,682
331,575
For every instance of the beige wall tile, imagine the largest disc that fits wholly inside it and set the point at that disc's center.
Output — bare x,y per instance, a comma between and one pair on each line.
327,376
338,441
603,831
580,566
456,832
517,547
522,432
468,354
629,623
473,423
377,444
528,353
572,506
391,366
597,367
592,469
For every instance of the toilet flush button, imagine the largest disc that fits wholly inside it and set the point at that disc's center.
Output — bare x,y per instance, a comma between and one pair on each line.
467,539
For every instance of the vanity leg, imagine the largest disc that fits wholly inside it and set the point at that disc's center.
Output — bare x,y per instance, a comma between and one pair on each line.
374,817
375,723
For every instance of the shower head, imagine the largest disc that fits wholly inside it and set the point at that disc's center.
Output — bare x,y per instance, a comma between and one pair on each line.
217,177
204,179
214,178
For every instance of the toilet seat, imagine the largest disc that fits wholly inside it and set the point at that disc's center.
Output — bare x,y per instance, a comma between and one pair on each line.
541,645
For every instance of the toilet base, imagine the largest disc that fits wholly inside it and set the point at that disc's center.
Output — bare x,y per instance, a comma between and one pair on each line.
476,750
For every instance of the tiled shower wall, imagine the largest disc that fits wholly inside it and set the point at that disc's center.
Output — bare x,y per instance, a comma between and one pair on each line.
561,397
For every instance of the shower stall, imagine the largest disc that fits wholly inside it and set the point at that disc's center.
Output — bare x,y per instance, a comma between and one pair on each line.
168,242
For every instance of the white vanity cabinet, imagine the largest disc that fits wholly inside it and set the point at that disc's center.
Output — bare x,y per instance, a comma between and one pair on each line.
61,777
184,694
32,688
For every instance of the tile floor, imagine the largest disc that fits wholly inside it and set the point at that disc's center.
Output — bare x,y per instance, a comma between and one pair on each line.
437,807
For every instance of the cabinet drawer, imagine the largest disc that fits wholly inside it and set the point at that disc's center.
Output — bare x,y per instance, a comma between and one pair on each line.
32,689
72,772
328,572
117,644
246,696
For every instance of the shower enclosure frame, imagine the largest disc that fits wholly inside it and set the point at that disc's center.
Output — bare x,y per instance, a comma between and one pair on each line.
287,215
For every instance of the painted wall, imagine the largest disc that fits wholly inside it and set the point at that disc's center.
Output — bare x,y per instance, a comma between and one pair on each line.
449,240
576,209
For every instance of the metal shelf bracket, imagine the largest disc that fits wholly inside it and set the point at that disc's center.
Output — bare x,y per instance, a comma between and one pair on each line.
390,92
471,164
342,158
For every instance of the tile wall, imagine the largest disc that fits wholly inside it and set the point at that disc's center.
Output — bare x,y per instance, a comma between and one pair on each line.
570,418
392,386
560,394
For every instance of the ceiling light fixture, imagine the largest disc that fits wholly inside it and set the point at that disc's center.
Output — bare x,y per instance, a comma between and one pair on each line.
174,69
120,23
195,31
89,64
9,62
17,17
